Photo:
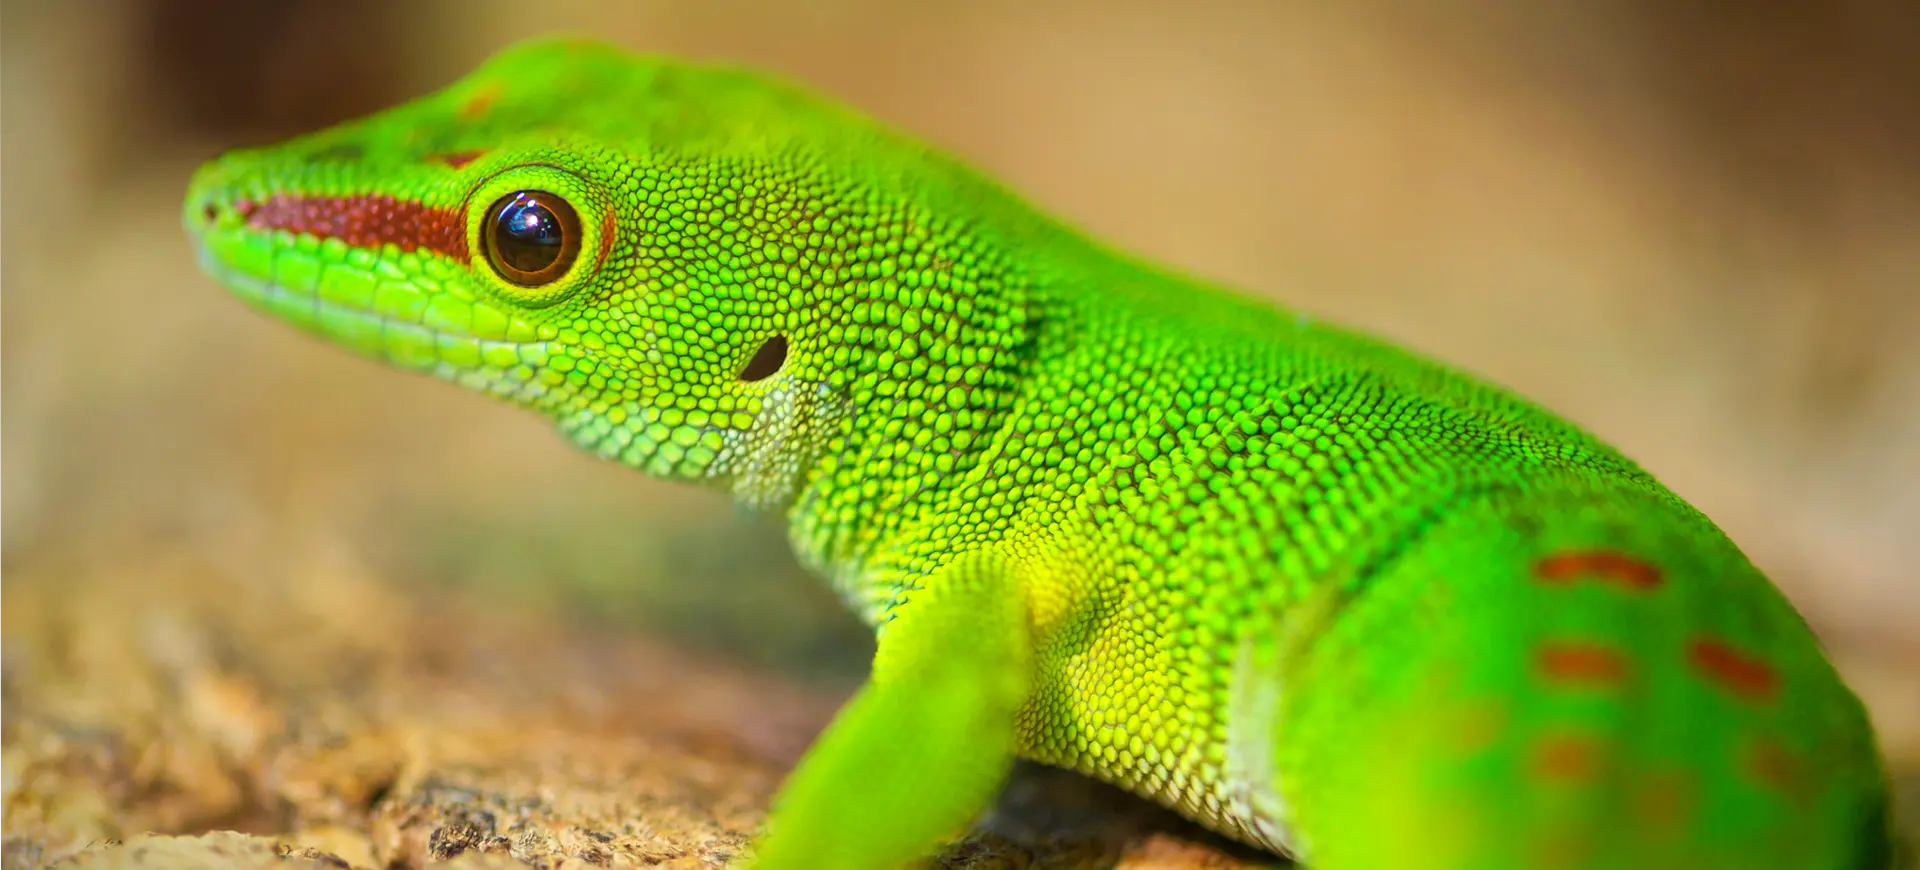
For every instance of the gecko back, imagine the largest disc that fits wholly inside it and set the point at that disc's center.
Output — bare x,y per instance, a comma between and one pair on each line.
1377,614
1576,676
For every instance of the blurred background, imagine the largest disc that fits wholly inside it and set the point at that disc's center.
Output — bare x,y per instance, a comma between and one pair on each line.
1692,227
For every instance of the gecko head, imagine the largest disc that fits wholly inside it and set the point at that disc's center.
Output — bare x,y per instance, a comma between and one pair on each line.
680,265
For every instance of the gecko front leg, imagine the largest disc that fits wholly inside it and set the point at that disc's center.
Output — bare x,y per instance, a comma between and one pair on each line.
922,748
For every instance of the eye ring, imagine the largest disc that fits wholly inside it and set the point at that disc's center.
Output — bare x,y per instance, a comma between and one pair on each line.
531,237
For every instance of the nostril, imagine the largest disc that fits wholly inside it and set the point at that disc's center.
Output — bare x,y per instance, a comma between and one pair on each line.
210,213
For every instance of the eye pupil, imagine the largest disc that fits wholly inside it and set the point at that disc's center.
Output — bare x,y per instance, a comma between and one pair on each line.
533,224
532,237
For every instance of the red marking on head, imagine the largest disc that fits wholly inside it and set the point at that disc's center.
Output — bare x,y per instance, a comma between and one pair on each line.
1774,766
1614,567
458,159
479,103
1578,663
1743,675
1566,758
363,222
608,231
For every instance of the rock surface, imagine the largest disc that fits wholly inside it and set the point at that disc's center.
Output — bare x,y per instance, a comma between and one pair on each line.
346,724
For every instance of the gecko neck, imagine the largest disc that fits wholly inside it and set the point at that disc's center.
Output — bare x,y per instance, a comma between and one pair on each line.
872,532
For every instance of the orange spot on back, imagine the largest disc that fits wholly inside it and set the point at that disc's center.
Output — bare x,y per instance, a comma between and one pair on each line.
1609,566
479,103
1662,801
1566,758
1775,767
1745,676
1577,663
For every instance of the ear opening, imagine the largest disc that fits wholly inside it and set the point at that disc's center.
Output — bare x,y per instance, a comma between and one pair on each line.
766,361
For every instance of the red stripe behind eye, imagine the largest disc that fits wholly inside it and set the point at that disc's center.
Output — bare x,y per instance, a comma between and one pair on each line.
363,222
458,159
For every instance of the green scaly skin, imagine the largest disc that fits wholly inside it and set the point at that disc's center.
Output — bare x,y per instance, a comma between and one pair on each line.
1310,590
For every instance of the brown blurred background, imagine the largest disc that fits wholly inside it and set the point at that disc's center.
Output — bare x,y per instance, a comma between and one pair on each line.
1692,227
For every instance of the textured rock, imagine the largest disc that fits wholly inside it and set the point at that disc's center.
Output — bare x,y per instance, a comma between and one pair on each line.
223,850
343,723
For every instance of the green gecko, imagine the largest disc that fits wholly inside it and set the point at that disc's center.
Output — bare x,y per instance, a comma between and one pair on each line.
1315,592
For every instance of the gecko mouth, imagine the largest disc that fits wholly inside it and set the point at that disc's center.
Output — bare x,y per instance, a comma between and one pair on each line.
373,310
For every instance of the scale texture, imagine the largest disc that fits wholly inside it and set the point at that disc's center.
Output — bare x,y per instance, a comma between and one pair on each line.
1315,592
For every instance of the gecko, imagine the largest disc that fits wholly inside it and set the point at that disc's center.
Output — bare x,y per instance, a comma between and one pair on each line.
1318,593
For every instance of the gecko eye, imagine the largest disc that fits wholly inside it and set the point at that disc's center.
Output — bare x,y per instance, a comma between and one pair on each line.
531,237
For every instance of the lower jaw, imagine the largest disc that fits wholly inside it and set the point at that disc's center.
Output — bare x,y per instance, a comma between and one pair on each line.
398,344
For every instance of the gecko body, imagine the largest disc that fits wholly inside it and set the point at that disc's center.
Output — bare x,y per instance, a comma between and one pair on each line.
1318,593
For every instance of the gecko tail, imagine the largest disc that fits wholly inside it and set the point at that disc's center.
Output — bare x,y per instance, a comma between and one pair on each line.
1574,680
